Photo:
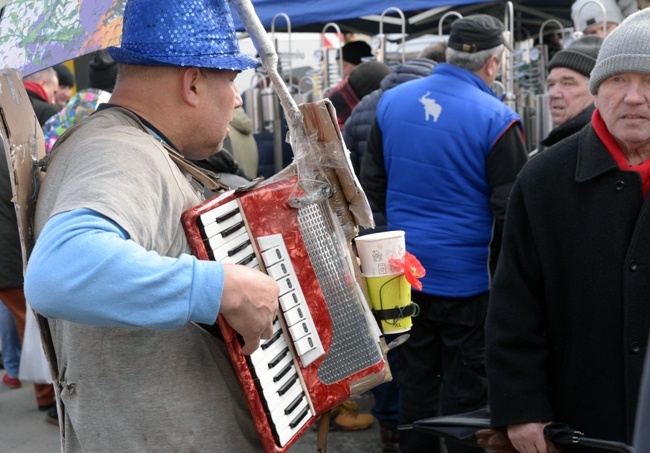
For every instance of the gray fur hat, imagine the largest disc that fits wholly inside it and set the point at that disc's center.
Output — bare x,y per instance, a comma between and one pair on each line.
626,49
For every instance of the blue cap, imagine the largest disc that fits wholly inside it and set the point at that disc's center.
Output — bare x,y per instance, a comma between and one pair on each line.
193,33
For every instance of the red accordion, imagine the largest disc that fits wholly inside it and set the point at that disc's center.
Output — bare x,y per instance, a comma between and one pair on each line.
326,344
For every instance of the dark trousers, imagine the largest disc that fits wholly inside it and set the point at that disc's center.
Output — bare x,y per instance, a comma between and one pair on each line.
442,366
387,395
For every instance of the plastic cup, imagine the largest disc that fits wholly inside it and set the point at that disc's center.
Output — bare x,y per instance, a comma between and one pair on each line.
375,250
391,292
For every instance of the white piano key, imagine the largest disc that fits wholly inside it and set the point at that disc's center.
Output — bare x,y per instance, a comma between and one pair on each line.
271,381
289,404
305,344
240,255
312,354
278,270
220,248
277,334
268,242
272,389
275,393
274,362
268,375
290,300
261,355
299,330
289,425
271,256
286,284
218,229
295,315
212,215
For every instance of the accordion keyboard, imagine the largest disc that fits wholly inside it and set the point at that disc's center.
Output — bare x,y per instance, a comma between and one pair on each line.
325,347
272,365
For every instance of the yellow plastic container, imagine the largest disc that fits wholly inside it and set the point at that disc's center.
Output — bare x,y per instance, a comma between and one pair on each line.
391,292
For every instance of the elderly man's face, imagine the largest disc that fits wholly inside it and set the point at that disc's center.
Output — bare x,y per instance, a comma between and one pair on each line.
597,29
568,94
624,104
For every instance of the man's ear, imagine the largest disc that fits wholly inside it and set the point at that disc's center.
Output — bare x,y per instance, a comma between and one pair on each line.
492,65
191,80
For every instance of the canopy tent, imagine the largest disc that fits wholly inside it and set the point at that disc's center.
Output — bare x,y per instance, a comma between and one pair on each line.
421,16
35,34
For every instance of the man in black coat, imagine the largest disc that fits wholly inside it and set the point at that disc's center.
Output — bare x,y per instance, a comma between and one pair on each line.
41,87
568,318
570,101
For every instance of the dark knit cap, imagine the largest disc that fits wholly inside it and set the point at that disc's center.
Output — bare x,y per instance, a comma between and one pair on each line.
65,76
366,77
580,55
354,51
102,71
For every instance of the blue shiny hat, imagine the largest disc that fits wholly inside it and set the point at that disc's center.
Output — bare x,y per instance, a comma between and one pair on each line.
194,33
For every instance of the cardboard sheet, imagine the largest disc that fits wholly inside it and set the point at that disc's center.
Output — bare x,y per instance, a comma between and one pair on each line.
24,146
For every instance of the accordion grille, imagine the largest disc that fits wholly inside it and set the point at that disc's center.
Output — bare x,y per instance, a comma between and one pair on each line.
352,349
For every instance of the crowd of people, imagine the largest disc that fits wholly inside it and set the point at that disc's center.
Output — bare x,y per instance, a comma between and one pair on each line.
533,302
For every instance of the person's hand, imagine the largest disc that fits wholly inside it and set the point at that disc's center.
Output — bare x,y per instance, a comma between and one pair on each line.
249,303
529,438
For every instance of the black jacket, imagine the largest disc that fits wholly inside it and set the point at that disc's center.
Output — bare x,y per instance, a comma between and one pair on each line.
42,109
572,126
569,317
11,259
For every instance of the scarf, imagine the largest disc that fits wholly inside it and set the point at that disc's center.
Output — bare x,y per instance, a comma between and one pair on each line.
38,90
643,169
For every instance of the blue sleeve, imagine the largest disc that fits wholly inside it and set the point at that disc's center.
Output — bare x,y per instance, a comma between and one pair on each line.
85,269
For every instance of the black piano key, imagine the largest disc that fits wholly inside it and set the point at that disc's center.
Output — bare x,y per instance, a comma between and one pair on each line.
287,385
239,248
282,372
267,344
296,421
293,405
278,358
227,215
228,231
248,259
204,236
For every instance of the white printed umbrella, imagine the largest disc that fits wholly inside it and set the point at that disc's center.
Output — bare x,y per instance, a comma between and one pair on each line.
36,34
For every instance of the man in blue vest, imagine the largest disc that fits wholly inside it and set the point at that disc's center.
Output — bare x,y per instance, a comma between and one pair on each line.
441,159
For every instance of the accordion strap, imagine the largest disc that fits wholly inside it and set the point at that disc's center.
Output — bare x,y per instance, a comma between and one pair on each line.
205,177
323,430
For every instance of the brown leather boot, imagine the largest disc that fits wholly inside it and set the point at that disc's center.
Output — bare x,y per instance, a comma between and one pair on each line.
389,438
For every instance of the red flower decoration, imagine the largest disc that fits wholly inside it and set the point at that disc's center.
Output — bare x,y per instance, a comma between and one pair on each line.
411,267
